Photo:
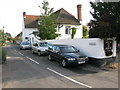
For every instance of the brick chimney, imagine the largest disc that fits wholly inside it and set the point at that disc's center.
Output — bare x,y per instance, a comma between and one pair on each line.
79,12
24,13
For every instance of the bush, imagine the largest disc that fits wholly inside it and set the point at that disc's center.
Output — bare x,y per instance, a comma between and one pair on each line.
2,55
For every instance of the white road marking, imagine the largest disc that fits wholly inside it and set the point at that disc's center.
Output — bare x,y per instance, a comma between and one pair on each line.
20,53
69,78
15,50
28,58
32,60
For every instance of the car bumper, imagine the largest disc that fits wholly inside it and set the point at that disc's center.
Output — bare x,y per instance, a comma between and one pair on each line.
76,62
25,47
44,52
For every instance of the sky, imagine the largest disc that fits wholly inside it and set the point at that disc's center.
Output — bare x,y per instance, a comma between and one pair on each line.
11,11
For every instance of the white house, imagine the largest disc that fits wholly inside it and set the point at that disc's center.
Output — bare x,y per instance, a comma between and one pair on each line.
65,23
28,27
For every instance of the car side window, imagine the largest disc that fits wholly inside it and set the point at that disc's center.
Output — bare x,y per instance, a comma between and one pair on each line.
57,49
50,47
54,47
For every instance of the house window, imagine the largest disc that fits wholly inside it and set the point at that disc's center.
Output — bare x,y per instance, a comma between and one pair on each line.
67,30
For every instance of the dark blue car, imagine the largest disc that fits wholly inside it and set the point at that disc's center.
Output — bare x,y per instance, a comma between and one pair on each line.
66,55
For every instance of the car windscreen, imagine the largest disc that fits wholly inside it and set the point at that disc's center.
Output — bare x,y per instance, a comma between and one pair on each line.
25,43
44,44
68,49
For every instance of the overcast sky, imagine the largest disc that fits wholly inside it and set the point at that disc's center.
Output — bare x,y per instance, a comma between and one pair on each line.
11,11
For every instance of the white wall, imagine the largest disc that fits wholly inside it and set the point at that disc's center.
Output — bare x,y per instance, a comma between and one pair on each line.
27,33
68,36
92,47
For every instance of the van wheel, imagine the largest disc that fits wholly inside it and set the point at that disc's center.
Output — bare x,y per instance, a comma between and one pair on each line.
64,63
49,57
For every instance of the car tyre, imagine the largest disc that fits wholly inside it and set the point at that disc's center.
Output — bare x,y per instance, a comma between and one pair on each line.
64,63
49,57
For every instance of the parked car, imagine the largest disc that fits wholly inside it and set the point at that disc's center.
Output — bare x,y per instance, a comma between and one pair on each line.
66,55
40,48
25,45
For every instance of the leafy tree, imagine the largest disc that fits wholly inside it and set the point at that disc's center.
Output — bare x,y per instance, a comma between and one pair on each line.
106,20
73,32
85,32
8,36
46,10
47,23
2,37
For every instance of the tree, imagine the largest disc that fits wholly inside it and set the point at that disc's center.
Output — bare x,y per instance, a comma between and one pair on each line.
47,23
106,20
2,37
73,32
8,36
85,32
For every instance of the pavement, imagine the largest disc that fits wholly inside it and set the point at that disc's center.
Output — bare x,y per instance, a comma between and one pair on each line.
26,70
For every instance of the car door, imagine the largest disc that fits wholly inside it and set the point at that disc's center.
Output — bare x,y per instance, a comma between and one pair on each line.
53,52
35,46
58,54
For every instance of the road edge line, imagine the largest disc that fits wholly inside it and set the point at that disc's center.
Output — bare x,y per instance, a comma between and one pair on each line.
69,78
32,60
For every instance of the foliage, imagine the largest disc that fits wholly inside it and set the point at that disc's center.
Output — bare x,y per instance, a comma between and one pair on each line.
106,20
73,32
85,32
47,28
2,55
46,10
2,37
47,23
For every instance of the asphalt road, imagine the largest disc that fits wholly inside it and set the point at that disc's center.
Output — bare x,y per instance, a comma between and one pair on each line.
26,70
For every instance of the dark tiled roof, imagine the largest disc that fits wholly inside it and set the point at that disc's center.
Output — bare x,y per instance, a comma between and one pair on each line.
63,17
31,21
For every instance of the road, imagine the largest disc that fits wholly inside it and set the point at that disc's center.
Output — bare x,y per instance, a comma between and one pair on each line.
26,70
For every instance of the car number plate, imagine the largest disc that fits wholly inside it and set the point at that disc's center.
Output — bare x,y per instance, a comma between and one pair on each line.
81,62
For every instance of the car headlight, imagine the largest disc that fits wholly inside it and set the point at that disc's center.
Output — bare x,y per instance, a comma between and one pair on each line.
71,59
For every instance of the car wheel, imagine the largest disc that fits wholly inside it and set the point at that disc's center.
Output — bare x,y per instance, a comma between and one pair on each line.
39,53
64,63
49,57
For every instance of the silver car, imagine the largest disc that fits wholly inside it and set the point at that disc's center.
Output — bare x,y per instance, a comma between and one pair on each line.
25,45
40,48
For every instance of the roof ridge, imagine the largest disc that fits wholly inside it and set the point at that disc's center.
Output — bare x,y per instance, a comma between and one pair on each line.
67,12
61,15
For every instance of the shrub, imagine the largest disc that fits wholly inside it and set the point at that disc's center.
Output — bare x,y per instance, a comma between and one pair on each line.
2,55
73,32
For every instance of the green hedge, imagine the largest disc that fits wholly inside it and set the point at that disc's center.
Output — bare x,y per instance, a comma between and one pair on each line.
2,55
